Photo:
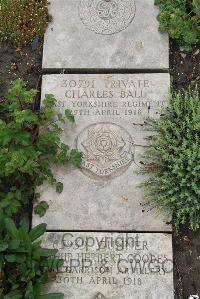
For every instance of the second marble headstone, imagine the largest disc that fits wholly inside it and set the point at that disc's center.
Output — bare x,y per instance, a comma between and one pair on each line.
110,112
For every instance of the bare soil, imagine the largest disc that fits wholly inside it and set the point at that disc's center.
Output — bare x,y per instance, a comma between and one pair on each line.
184,67
20,63
185,72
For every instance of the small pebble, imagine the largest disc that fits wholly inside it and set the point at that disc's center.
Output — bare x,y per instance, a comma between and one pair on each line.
183,55
197,52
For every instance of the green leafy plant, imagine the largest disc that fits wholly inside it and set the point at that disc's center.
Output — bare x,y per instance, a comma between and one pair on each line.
173,160
26,155
181,19
196,6
29,144
24,265
22,20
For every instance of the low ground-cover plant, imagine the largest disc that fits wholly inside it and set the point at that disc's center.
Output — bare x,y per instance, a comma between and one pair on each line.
24,265
22,20
29,144
181,19
173,160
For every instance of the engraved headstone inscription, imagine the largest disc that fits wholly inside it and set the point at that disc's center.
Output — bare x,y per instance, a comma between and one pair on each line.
105,34
110,111
113,243
113,265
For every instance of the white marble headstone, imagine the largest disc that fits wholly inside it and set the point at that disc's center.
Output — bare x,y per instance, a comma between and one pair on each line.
113,265
110,111
105,34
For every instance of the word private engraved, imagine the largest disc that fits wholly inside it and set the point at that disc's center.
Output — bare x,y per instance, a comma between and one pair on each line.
107,16
108,150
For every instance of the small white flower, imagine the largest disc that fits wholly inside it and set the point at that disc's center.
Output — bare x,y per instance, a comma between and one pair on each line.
194,297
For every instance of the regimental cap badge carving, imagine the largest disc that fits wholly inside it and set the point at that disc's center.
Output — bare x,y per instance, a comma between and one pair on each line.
100,296
107,148
107,16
